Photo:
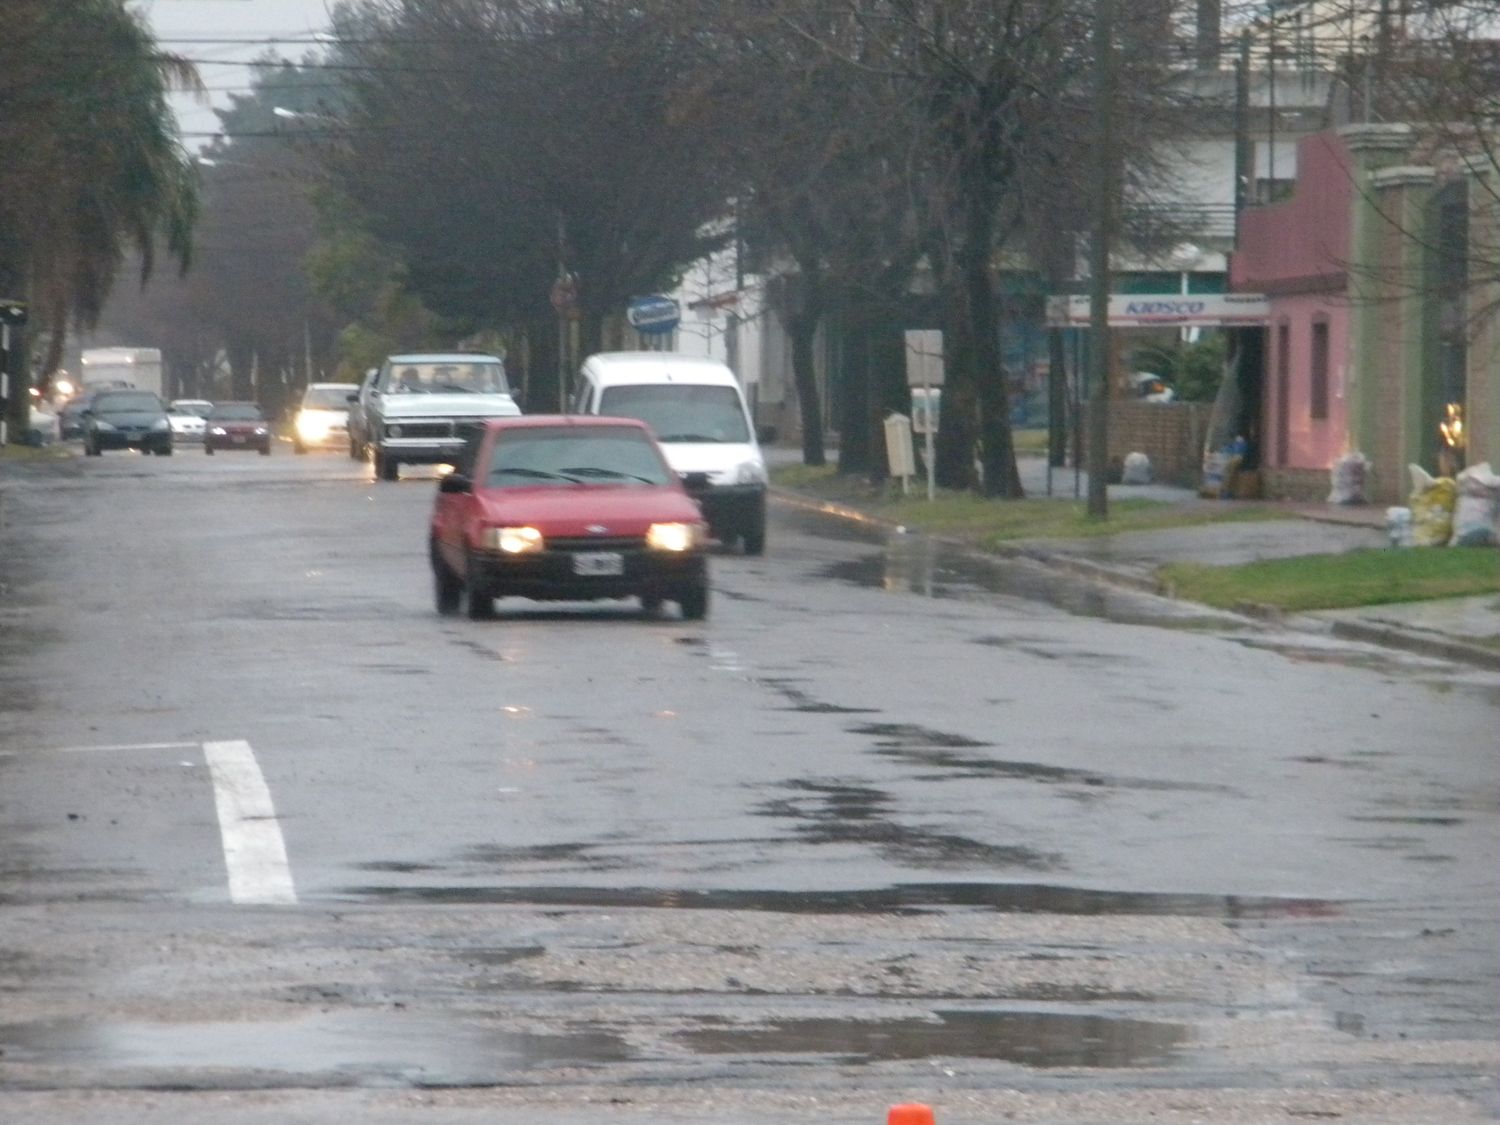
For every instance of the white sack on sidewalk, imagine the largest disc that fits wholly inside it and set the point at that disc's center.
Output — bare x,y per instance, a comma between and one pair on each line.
1349,473
1476,514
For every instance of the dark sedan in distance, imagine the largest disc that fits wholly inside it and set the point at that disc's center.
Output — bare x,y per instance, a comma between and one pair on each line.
237,425
126,420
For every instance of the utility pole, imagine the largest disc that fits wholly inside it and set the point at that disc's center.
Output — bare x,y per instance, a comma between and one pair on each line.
15,366
1244,151
1103,191
563,297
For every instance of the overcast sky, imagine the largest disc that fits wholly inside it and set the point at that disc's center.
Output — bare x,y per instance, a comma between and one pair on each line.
220,36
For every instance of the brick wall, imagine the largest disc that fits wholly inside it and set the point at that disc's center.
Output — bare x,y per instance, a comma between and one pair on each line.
1170,433
1297,484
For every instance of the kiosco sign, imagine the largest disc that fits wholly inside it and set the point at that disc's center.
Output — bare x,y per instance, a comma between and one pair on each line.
653,314
1209,310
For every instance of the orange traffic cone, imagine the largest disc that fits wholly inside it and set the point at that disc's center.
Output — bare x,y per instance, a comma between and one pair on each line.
914,1113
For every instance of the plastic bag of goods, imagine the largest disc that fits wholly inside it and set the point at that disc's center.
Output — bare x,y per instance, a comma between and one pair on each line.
1137,469
1349,474
1476,513
1214,481
1398,526
1431,501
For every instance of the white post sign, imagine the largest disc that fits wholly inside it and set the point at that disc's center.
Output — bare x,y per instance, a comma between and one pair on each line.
924,374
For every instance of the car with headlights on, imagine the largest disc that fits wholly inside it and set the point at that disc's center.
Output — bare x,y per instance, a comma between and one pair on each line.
126,419
322,418
566,508
187,416
237,425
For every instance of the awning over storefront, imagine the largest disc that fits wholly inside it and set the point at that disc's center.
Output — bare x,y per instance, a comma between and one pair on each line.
1205,310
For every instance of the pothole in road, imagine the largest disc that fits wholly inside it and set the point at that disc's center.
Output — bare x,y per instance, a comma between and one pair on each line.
1032,1039
379,1048
1010,898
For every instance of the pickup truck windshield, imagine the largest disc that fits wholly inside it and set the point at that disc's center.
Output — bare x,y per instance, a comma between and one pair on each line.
483,378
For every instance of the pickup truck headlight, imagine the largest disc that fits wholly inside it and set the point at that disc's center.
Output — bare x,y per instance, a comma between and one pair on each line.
674,536
512,540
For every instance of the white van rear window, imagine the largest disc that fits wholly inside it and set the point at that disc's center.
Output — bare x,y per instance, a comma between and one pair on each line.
680,412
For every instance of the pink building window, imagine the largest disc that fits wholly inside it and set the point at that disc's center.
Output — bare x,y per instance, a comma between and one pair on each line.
1283,392
1318,408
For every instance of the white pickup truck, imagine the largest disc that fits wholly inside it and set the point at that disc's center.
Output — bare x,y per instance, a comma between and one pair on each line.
413,411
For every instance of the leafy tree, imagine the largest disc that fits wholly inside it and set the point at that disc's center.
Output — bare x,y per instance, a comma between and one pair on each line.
1193,371
92,166
496,143
814,149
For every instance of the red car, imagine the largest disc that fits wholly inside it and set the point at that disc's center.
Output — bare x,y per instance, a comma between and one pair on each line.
236,425
565,508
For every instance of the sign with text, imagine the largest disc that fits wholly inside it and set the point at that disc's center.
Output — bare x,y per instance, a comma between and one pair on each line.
1165,310
653,314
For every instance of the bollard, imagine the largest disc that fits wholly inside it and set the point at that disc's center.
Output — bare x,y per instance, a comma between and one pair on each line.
914,1113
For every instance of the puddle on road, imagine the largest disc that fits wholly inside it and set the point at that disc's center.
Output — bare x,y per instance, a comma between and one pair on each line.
1032,1039
834,813
359,1047
803,702
922,566
936,750
910,898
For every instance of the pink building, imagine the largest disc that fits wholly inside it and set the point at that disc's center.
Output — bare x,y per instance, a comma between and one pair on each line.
1297,254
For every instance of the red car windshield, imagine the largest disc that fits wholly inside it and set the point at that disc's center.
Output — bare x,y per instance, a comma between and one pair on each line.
563,455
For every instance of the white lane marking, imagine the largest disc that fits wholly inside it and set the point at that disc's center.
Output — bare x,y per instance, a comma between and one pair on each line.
105,749
254,851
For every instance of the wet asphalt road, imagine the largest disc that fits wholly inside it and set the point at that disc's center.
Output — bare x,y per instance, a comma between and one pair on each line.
278,843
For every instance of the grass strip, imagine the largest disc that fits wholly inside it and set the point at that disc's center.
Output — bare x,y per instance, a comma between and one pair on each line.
988,521
1356,578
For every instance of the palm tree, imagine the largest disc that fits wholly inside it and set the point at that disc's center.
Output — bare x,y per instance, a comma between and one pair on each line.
93,167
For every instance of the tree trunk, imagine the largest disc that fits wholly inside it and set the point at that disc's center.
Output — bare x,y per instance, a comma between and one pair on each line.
856,453
1057,399
541,376
802,329
997,444
241,358
889,393
957,428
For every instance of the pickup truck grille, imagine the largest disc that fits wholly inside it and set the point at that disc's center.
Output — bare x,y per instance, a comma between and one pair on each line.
440,429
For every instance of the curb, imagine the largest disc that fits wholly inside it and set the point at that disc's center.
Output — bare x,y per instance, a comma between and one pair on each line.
1386,636
1444,648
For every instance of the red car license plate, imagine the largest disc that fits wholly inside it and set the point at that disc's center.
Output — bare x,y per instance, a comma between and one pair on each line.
599,564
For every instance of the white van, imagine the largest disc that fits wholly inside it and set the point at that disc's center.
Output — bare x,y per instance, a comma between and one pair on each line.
698,412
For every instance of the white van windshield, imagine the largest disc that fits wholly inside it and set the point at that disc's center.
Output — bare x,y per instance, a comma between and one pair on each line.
680,412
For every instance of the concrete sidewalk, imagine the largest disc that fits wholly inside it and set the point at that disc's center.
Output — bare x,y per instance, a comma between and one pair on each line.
1461,629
